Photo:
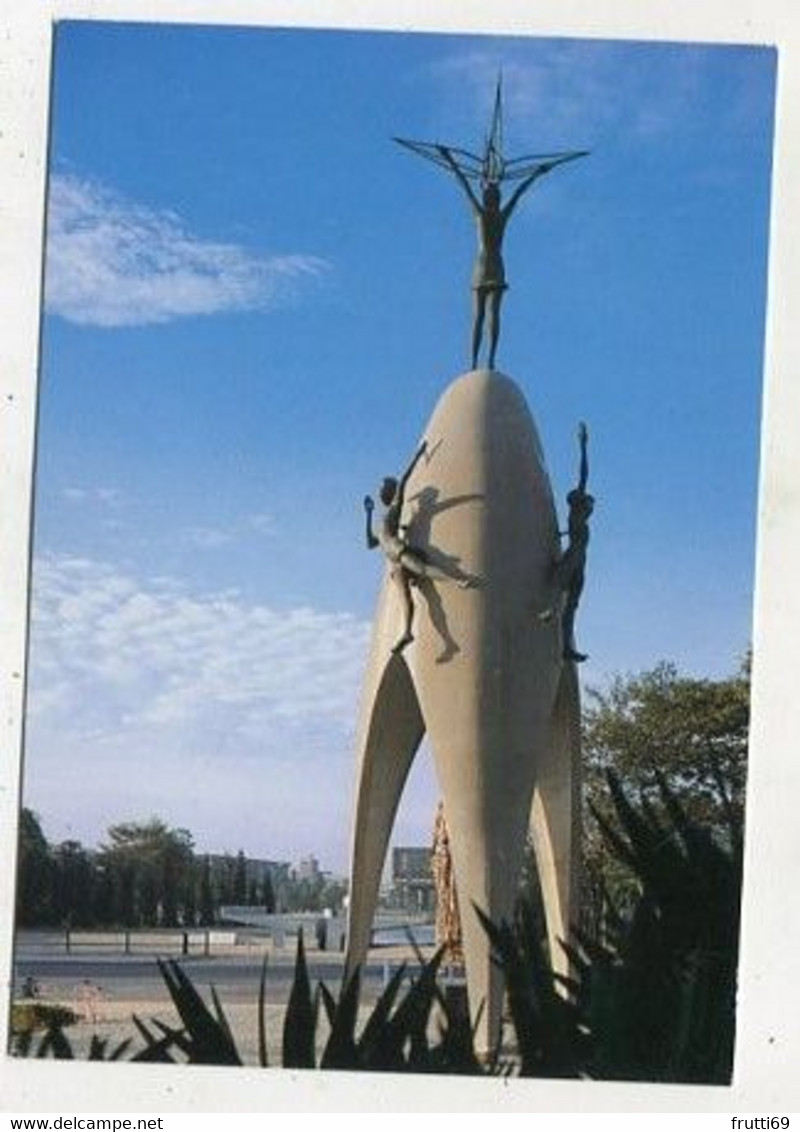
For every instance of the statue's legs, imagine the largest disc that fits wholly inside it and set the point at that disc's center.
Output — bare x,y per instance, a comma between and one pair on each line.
389,741
479,313
495,298
568,619
403,585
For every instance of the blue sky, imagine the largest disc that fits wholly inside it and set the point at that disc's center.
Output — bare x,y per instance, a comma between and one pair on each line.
253,301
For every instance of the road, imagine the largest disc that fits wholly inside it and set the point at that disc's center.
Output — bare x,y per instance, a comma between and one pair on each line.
136,977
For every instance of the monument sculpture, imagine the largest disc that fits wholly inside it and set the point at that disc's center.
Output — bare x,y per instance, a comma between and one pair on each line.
491,215
475,666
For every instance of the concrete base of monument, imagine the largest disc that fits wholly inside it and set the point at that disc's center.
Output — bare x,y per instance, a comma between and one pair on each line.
483,677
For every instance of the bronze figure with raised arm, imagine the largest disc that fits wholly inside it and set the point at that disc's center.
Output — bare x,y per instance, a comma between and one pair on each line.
489,170
407,565
488,274
571,570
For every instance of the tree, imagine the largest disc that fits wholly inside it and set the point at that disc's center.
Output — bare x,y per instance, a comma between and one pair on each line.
240,879
34,873
105,902
689,733
224,877
269,893
207,908
190,900
153,866
692,733
75,882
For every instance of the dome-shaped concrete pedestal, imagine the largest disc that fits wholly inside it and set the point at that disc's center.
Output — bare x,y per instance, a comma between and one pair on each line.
484,677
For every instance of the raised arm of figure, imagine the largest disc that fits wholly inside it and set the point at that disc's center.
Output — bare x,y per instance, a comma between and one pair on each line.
583,440
401,487
522,188
369,507
462,180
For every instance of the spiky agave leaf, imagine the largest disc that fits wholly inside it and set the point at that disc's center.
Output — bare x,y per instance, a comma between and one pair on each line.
340,1048
300,1020
98,1048
210,1041
548,1026
224,1025
55,1044
156,1049
175,1036
263,1059
408,1026
375,1049
665,1002
328,1003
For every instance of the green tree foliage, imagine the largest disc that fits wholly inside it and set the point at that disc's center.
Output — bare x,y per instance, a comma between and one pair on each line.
207,909
691,734
75,882
269,894
104,902
240,890
155,867
145,875
35,872
662,986
225,879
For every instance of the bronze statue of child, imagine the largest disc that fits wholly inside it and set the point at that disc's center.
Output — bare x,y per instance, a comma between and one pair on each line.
408,565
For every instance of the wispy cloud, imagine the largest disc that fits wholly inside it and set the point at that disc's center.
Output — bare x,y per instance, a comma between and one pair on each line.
208,538
565,93
146,652
261,525
104,496
113,262
200,706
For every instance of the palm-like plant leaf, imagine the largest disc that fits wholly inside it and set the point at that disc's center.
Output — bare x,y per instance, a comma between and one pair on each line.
263,1059
55,1044
156,1049
210,1039
340,1049
375,1051
663,991
548,1028
300,1020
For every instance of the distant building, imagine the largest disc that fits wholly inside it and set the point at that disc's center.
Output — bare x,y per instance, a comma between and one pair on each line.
412,879
308,868
223,866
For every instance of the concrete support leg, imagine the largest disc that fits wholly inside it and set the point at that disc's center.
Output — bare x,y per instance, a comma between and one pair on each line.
391,735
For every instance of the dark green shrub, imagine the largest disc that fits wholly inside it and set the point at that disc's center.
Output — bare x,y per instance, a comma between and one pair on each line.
30,1016
663,981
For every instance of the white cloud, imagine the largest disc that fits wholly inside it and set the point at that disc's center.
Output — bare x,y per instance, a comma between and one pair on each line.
208,538
135,653
147,698
112,262
564,93
260,524
107,496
